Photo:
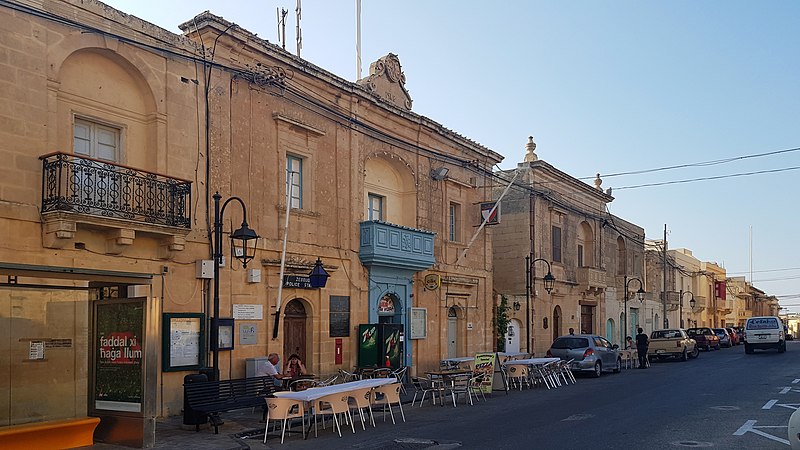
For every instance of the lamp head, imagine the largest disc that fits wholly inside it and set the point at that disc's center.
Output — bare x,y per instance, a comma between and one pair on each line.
640,294
318,275
549,282
440,173
241,247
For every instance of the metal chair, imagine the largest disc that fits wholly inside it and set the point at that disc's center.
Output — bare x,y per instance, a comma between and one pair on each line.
423,386
400,374
328,381
348,376
460,385
302,384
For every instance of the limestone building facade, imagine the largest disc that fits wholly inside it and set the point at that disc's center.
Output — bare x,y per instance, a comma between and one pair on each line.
117,134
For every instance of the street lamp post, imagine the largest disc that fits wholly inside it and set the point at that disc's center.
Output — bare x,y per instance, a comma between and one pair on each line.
639,294
244,253
530,280
692,302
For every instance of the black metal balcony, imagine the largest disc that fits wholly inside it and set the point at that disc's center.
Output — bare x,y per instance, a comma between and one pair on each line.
99,188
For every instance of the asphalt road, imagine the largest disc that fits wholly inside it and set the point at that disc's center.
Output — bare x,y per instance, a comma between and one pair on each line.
723,399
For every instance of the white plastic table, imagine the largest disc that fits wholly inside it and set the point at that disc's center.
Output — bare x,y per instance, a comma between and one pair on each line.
531,361
311,394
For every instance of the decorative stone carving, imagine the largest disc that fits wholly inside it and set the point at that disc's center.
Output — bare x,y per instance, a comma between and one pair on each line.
530,147
387,80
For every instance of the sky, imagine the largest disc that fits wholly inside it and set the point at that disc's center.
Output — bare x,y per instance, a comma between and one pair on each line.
604,87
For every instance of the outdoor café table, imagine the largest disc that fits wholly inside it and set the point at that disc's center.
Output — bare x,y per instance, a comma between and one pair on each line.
445,376
311,394
531,361
455,362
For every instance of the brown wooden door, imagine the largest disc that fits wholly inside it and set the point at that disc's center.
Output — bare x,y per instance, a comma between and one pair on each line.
294,330
587,319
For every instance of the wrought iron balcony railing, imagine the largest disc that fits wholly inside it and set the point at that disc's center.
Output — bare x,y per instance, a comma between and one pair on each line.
89,186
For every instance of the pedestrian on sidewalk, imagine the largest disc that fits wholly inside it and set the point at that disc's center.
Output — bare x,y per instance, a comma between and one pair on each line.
642,344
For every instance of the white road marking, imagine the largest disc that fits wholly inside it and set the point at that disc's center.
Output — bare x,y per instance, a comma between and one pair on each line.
796,380
749,426
769,404
786,390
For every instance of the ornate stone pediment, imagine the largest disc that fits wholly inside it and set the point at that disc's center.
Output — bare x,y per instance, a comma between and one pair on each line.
387,81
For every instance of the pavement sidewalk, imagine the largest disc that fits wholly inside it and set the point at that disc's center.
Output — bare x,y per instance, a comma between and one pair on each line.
243,430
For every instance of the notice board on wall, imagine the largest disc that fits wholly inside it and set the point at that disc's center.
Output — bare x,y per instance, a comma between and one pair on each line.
339,316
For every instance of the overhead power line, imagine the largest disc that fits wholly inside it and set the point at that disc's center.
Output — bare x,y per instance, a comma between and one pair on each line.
718,177
696,164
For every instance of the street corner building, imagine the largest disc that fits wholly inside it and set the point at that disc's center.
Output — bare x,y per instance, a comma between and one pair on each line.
123,268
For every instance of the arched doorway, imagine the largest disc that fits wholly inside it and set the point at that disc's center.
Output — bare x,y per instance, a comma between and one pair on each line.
452,332
294,331
512,336
610,330
556,322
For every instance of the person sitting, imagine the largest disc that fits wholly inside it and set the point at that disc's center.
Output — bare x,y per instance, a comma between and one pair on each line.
271,369
628,343
294,366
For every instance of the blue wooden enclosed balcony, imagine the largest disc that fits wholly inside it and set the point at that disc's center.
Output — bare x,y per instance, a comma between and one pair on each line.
387,244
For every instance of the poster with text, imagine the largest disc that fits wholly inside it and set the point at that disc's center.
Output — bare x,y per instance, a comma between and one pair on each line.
118,357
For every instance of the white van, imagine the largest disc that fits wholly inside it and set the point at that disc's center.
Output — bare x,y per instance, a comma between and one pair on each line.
764,332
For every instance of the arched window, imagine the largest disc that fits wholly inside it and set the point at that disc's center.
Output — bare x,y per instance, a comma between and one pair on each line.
585,245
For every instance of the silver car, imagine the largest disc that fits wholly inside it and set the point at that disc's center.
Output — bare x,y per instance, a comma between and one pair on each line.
588,353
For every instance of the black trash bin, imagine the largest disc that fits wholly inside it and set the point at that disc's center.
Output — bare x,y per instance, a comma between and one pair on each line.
190,416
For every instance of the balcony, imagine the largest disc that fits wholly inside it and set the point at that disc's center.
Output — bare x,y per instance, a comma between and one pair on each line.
114,197
591,280
390,245
673,303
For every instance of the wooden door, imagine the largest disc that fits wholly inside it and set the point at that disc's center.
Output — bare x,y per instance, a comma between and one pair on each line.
294,331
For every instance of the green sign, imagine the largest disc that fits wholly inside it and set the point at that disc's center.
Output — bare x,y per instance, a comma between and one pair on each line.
119,355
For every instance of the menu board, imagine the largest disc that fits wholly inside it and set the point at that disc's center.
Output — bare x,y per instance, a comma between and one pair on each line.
484,363
118,355
339,316
419,323
182,341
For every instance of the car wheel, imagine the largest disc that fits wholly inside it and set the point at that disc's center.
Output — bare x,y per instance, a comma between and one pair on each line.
618,368
598,370
695,353
717,347
747,349
685,355
782,347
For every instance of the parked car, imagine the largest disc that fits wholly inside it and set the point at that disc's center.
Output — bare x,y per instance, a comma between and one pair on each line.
764,332
673,342
724,337
735,339
705,337
587,353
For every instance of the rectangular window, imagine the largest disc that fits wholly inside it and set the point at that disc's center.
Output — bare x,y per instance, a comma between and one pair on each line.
96,140
455,222
375,207
556,243
580,255
294,181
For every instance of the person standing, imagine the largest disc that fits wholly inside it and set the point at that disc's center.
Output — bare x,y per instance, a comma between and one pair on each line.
642,344
571,331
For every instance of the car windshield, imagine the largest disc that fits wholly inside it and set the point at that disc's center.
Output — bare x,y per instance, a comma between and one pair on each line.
666,334
570,343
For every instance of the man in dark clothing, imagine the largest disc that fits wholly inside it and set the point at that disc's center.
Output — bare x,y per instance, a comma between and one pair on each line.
642,343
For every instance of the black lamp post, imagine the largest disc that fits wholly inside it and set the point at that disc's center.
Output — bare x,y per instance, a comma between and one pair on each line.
692,302
530,279
639,294
244,252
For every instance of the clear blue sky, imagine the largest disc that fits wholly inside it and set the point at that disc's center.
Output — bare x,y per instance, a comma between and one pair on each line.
604,87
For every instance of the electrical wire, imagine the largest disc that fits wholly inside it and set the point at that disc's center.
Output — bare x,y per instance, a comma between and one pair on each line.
697,164
718,177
